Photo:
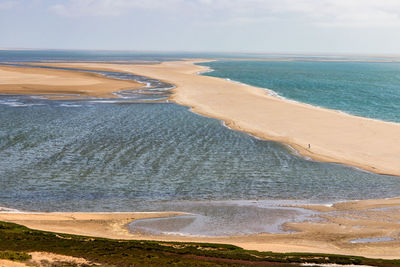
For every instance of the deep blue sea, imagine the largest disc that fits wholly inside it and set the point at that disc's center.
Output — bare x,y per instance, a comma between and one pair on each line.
87,155
367,89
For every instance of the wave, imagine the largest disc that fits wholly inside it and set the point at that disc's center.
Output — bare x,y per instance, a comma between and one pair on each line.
270,91
70,105
14,103
9,210
207,70
275,94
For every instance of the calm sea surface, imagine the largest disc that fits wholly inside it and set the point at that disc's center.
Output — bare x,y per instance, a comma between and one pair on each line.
367,89
97,156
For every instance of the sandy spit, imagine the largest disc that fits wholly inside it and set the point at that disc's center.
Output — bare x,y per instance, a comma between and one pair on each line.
69,84
317,133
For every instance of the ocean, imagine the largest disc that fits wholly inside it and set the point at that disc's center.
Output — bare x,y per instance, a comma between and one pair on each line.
87,155
366,89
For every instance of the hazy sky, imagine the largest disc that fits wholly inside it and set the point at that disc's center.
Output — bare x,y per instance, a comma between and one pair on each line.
299,26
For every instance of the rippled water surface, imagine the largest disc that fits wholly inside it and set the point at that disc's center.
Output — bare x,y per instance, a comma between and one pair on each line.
101,155
120,156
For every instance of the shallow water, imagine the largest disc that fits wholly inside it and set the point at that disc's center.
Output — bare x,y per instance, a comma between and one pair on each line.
116,156
62,156
221,218
151,90
98,155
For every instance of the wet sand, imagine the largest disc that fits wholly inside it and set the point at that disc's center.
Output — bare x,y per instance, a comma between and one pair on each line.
59,83
339,225
317,133
100,224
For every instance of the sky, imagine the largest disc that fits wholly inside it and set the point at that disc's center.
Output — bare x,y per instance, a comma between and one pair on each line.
265,26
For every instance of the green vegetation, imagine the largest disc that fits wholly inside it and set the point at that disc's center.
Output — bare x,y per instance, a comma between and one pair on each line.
14,255
16,238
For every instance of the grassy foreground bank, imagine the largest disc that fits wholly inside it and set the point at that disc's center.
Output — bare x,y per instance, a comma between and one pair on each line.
15,239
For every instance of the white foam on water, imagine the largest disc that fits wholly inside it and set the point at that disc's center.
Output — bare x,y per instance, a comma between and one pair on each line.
70,105
207,70
106,101
9,210
275,94
19,104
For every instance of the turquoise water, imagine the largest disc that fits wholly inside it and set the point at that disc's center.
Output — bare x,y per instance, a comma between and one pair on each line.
367,89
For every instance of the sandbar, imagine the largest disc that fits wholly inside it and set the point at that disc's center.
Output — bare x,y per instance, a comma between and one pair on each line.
59,83
368,144
317,133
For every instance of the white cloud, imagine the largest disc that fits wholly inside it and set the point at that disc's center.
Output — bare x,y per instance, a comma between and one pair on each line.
320,13
7,4
109,7
355,13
